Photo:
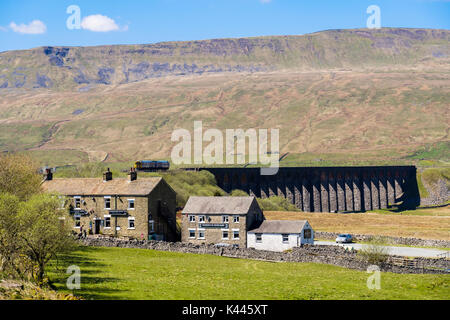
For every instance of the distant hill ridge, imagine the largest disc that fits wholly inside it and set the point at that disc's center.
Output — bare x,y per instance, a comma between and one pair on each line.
84,67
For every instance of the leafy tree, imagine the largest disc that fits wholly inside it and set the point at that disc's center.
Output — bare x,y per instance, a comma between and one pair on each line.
44,231
9,229
18,176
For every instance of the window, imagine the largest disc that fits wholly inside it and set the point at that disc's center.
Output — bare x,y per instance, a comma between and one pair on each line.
191,218
225,234
77,203
201,219
258,237
77,221
107,222
236,219
201,233
307,234
151,226
235,234
130,204
225,219
285,238
107,202
192,233
131,224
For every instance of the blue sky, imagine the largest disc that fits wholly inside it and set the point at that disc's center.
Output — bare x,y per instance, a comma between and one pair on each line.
28,24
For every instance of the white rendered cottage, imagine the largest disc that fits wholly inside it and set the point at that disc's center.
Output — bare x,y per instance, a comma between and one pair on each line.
280,235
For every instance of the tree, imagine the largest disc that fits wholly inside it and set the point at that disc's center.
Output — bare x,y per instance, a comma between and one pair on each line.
44,231
18,176
9,229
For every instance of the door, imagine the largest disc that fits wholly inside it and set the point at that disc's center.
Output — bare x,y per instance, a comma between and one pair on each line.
97,227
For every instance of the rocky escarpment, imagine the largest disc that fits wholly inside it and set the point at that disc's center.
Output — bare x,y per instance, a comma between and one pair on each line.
85,67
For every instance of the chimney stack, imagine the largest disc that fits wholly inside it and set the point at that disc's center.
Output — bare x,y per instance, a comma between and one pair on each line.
107,176
48,175
132,175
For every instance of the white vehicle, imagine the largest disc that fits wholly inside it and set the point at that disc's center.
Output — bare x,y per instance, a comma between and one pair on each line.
344,238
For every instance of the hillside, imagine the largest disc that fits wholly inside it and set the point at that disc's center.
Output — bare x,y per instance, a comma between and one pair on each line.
339,96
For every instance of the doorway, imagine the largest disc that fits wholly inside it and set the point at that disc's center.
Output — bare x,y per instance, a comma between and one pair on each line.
97,226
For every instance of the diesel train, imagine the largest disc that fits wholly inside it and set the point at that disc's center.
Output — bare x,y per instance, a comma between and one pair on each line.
152,165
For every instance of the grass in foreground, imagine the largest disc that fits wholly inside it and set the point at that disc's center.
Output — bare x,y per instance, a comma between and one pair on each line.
119,273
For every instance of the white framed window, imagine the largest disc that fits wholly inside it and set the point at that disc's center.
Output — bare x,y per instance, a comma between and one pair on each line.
107,221
191,218
77,221
131,223
258,237
285,238
201,234
225,234
107,203
77,203
201,218
131,204
225,219
191,233
235,234
236,219
151,226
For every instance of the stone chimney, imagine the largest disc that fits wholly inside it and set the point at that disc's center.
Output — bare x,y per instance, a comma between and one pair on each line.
48,175
107,176
132,175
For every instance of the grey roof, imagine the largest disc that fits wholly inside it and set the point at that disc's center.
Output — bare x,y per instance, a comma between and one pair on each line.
280,226
96,186
218,205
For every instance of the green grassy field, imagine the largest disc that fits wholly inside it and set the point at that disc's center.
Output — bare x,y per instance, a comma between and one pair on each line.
118,273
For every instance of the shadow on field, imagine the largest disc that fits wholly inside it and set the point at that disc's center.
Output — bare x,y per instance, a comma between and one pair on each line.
93,285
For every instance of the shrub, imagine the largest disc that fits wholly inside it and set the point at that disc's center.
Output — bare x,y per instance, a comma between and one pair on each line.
375,251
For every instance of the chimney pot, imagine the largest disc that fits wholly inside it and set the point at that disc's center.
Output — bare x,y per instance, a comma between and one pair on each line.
132,175
48,176
107,176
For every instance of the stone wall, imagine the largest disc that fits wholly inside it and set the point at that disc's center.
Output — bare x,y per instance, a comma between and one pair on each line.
334,255
391,240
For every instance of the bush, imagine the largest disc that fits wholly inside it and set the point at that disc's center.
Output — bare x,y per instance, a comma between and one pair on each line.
375,251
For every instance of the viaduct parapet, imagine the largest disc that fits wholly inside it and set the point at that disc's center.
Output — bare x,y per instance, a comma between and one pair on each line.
327,189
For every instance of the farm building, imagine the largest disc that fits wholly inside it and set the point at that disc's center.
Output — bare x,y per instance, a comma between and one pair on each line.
280,235
217,220
121,207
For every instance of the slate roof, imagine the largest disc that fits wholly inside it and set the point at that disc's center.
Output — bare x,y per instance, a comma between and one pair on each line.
96,186
280,226
218,205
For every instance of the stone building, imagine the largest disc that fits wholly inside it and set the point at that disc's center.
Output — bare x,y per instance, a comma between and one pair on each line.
142,208
280,235
217,220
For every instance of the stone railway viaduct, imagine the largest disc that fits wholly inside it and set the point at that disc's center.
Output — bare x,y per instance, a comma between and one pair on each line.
327,189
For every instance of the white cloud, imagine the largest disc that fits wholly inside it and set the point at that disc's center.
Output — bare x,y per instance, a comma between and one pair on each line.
34,27
99,23
3,29
265,1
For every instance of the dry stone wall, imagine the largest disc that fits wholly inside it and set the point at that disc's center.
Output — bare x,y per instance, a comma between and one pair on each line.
319,254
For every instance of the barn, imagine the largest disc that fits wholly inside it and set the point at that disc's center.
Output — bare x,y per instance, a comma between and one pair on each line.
280,235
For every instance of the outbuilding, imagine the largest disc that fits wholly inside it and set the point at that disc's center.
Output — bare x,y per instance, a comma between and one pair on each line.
280,235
